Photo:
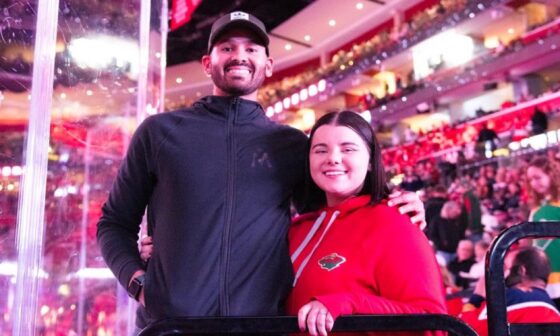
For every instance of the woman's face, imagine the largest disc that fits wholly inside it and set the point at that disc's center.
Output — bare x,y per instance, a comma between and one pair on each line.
538,180
338,162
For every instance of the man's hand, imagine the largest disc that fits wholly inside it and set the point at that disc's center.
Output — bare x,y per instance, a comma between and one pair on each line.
409,203
315,317
146,248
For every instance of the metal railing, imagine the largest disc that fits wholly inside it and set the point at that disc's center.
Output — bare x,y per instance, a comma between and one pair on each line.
495,283
288,324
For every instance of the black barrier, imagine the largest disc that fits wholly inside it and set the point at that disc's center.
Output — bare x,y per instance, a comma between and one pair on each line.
495,284
288,324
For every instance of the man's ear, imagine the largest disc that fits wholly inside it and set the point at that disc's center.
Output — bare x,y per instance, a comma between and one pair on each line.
269,66
522,270
205,60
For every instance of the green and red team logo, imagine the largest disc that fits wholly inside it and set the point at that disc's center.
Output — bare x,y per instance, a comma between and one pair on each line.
331,261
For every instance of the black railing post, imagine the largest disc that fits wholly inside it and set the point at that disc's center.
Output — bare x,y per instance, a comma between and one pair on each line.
495,284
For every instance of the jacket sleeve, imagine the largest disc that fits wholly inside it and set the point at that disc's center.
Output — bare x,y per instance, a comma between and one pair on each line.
119,225
406,275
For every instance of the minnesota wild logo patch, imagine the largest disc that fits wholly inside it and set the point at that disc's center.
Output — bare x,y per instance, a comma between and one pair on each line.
331,261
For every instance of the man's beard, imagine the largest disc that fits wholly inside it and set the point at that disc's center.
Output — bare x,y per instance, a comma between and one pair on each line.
232,88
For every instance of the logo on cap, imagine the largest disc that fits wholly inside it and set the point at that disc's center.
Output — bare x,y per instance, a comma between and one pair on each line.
238,16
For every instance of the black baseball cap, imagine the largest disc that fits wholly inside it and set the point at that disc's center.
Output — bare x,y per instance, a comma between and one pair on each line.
238,19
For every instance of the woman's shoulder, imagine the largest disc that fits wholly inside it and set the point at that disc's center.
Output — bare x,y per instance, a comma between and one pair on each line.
383,209
387,216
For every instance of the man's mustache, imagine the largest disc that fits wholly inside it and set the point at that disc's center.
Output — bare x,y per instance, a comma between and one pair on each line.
237,63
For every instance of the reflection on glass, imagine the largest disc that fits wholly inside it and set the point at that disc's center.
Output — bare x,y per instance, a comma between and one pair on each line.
93,114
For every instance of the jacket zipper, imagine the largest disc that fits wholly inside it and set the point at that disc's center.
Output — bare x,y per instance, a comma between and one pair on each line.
230,138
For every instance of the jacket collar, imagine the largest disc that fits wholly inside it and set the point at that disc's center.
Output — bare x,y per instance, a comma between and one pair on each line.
224,107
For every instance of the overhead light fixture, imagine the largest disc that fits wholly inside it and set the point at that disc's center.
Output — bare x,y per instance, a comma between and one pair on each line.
278,107
288,47
303,94
359,6
307,38
322,85
104,52
312,90
270,111
332,23
286,102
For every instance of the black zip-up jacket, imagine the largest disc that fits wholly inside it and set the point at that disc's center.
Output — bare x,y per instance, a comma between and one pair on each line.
217,180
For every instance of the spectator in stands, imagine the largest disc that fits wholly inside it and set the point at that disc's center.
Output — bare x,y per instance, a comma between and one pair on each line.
477,269
499,201
483,188
462,263
346,258
411,181
539,122
513,195
488,220
543,187
431,174
526,298
437,196
448,171
471,212
487,139
446,231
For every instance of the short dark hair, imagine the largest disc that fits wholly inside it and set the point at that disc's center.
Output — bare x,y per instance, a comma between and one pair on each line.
535,262
375,183
440,189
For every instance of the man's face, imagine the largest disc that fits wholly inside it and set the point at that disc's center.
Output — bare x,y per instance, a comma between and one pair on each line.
237,64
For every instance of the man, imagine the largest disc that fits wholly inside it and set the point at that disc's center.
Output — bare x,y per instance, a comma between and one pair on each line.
217,180
539,122
471,211
526,297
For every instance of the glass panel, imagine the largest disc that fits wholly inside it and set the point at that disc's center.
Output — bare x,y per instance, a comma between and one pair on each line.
108,75
104,86
17,39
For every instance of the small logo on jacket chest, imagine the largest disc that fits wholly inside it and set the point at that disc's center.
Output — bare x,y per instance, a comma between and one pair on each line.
261,158
331,261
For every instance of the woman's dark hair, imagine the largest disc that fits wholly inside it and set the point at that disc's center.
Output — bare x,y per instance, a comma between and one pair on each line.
374,185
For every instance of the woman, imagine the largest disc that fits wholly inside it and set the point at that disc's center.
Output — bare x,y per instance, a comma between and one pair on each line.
355,255
543,188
